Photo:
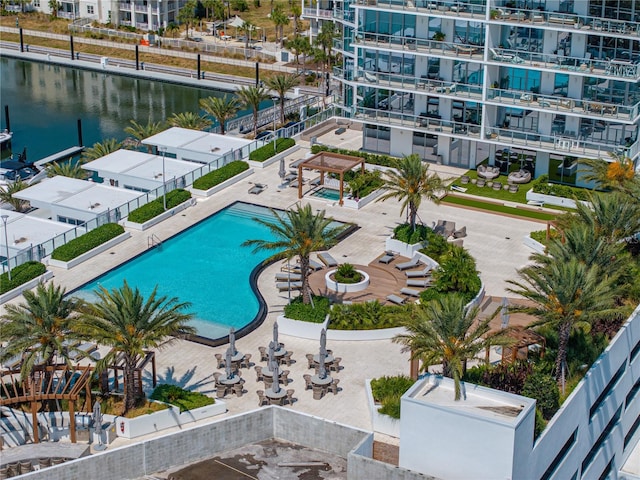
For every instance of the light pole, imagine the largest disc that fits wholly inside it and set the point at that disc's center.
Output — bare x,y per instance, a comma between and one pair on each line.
164,180
275,113
6,243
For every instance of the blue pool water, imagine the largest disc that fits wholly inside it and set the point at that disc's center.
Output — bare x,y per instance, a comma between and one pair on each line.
327,193
205,266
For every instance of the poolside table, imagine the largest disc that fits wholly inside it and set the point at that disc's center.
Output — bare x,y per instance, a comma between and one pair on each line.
327,359
224,380
269,373
275,398
323,383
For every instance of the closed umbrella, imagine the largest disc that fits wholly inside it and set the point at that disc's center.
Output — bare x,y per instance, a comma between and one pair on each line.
282,172
227,363
504,313
232,341
322,371
97,424
276,380
323,342
275,333
271,354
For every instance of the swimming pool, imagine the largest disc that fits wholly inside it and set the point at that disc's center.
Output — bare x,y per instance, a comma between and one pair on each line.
206,266
327,194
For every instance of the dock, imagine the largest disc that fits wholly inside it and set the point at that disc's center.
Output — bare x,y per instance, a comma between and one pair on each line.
69,152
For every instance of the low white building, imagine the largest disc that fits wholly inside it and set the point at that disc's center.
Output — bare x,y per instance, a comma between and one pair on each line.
143,172
75,201
200,147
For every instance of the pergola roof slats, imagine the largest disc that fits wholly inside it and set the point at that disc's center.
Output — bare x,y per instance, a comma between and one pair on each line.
329,162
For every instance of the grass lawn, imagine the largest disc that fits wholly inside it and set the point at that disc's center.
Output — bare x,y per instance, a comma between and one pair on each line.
518,197
497,208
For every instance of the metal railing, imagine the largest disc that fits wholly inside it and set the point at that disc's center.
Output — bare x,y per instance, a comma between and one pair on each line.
465,51
475,10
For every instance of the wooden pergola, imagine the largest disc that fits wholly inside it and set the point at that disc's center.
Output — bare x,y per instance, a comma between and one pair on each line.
55,382
328,162
118,366
523,339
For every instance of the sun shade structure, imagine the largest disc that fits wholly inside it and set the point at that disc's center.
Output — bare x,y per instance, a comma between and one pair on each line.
55,382
524,339
327,162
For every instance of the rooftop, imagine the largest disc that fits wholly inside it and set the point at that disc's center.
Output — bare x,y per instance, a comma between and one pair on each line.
24,230
202,142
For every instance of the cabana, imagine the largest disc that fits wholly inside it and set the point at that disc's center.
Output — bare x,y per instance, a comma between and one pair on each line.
327,162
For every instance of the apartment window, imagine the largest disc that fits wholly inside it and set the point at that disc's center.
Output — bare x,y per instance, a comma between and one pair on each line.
137,189
601,439
36,3
634,352
560,456
607,390
607,470
632,394
71,221
469,32
90,9
631,432
377,138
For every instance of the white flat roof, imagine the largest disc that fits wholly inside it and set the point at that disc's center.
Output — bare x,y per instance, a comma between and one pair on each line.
99,199
24,230
140,165
53,190
196,140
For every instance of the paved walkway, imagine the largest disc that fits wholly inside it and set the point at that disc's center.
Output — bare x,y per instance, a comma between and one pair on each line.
495,242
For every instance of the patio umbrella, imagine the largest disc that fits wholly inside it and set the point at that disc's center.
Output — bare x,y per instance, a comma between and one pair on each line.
504,314
271,353
227,363
323,342
282,172
275,333
232,341
322,371
276,377
97,424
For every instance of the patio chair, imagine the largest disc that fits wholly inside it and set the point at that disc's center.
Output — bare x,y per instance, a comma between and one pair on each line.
246,361
216,376
417,282
386,258
262,400
333,386
285,277
264,356
219,360
238,389
284,377
25,467
290,398
393,298
268,382
307,381
259,376
317,392
57,461
310,360
414,262
286,359
44,462
284,286
418,273
221,390
327,259
315,265
257,189
410,292
335,365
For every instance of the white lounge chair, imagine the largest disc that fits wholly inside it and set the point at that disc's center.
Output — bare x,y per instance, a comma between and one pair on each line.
418,273
386,258
284,286
410,292
284,277
416,282
327,259
414,262
396,299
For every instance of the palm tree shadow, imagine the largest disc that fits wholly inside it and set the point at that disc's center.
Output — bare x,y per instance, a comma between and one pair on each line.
185,381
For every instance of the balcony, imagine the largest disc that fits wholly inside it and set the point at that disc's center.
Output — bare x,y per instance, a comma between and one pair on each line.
562,105
620,69
422,46
317,13
447,8
141,8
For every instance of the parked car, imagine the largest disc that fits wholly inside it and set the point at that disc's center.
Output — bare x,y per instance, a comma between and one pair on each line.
264,134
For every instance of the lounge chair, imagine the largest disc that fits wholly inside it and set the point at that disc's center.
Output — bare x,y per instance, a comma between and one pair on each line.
327,259
84,350
414,262
393,298
284,286
386,258
410,292
284,277
418,273
415,282
257,188
315,265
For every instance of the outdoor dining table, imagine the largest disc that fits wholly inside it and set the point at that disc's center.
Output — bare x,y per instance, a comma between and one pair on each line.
327,359
269,373
224,380
275,398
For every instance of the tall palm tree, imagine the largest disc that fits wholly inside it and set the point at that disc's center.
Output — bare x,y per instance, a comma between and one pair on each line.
613,216
296,13
565,295
139,131
187,15
410,184
189,120
67,169
173,29
100,149
221,108
247,28
298,233
281,83
6,195
279,18
251,97
614,174
39,328
299,45
444,332
324,40
122,319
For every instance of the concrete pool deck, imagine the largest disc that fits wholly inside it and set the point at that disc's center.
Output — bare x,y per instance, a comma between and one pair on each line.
494,241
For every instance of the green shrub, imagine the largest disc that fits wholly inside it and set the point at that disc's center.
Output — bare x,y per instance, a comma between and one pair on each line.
86,242
437,246
362,184
314,313
544,389
370,158
346,273
541,185
155,208
405,234
541,236
265,152
457,274
180,397
218,176
388,390
21,274
365,316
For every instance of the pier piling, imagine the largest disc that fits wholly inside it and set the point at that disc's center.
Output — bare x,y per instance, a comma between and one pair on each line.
80,144
73,57
199,76
137,58
21,41
6,118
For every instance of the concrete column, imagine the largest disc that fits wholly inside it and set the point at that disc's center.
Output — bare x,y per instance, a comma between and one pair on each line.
547,83
550,44
545,121
578,45
445,108
542,164
444,148
401,143
446,69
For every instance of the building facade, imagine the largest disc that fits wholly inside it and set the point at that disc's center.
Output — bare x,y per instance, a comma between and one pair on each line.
457,81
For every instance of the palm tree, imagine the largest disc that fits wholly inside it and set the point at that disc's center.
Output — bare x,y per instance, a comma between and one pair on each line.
410,184
40,328
6,195
444,331
247,29
221,108
139,131
100,149
122,319
614,174
279,18
325,38
299,45
187,15
565,295
68,169
173,29
298,233
189,120
296,13
251,97
281,83
611,215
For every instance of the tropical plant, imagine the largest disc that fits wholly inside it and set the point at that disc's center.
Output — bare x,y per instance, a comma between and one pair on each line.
296,13
565,295
388,391
446,332
281,83
457,272
187,15
40,329
346,273
54,6
247,28
251,97
68,169
298,233
410,184
299,45
279,18
221,108
8,191
100,149
315,312
139,131
173,29
614,174
328,33
122,319
189,120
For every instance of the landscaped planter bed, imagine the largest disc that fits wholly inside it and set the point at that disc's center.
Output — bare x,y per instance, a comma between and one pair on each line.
221,186
25,286
159,218
90,254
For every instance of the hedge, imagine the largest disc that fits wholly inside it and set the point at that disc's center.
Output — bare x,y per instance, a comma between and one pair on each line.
542,186
371,158
155,208
86,242
315,313
180,397
388,390
266,152
218,176
21,274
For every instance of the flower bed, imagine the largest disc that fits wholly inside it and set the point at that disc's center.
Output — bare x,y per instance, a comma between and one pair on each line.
88,241
267,151
156,207
26,281
220,175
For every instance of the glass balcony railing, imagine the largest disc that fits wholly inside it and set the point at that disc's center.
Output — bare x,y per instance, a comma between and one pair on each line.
317,13
563,105
475,10
622,69
431,47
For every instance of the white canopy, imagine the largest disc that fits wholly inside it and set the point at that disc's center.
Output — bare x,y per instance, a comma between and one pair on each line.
236,22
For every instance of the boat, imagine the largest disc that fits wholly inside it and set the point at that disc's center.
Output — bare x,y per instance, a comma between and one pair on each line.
5,142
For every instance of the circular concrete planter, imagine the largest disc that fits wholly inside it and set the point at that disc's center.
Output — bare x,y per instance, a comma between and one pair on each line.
346,287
